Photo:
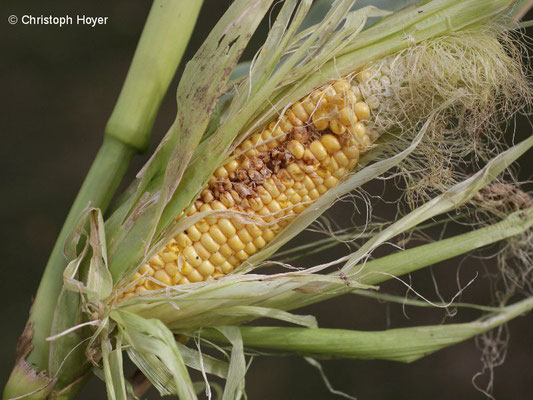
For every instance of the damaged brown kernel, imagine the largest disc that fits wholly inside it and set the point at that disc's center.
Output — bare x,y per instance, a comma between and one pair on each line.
272,176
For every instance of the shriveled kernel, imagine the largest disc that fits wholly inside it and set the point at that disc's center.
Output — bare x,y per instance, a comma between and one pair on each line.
296,148
362,110
318,150
331,143
271,182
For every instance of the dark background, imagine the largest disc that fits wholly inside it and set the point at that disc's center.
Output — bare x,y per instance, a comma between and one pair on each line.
58,89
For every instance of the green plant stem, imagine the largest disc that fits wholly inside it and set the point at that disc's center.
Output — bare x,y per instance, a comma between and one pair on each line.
159,52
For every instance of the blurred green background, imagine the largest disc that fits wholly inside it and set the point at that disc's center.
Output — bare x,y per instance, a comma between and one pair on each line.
59,86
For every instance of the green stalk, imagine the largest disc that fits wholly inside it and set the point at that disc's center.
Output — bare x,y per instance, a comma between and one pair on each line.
159,52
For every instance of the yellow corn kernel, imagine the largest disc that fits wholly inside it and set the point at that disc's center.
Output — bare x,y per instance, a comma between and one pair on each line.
318,150
163,277
209,243
331,143
206,268
296,148
362,110
274,174
171,269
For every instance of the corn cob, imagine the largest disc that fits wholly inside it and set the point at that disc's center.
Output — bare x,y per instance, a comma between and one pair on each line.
272,176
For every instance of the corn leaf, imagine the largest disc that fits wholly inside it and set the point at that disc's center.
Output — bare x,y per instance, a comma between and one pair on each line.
450,200
403,344
154,351
135,224
113,371
234,388
203,362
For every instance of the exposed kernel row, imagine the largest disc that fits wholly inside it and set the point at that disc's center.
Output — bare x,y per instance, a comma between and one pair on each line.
272,176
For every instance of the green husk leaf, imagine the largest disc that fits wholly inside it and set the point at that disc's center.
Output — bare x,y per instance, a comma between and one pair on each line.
450,200
407,301
25,383
153,349
65,350
146,212
203,362
252,312
403,344
113,370
234,388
